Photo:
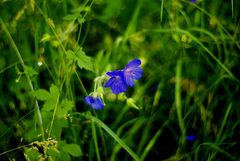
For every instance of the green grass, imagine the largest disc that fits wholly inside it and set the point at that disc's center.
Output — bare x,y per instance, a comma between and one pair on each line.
54,53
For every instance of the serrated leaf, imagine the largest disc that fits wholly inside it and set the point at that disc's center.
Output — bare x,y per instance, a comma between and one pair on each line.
72,149
49,105
66,106
42,94
30,71
71,56
50,98
54,91
84,61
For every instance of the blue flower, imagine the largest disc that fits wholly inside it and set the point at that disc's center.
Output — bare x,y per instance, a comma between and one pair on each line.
193,1
132,72
121,79
116,82
191,137
95,102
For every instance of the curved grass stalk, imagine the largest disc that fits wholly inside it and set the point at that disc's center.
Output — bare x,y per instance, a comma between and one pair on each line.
95,141
214,147
195,39
224,121
53,118
210,16
151,143
178,100
17,148
116,138
28,78
111,133
209,52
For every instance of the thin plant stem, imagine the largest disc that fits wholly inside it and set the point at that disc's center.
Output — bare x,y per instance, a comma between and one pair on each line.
54,114
178,100
17,148
28,78
95,141
81,84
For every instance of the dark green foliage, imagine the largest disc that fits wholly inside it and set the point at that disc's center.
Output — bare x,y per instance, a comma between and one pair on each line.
53,53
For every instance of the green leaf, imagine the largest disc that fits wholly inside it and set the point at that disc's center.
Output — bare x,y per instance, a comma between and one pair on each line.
83,61
54,91
71,17
66,105
72,149
64,156
48,105
131,102
31,154
53,153
50,98
46,37
42,94
30,71
80,19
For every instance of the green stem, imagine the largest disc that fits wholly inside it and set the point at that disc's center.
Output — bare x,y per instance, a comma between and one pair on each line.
17,148
28,78
80,81
95,141
161,11
178,100
54,114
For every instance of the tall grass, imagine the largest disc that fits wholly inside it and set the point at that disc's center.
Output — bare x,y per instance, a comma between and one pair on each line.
185,106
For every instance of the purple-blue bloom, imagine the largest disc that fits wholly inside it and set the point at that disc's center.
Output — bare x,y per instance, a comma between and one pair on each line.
95,102
191,137
121,79
132,72
116,82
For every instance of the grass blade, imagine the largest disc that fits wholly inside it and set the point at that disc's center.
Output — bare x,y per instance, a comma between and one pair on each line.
115,137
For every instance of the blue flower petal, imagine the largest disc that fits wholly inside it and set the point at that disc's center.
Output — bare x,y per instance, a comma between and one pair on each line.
116,82
133,63
95,102
114,73
89,100
132,72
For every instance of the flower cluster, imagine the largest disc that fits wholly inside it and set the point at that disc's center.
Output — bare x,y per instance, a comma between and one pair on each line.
118,81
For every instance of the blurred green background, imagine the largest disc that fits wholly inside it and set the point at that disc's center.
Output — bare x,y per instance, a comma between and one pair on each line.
52,51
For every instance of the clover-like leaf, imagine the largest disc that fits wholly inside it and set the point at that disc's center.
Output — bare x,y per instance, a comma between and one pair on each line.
82,60
66,105
50,98
42,94
29,71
